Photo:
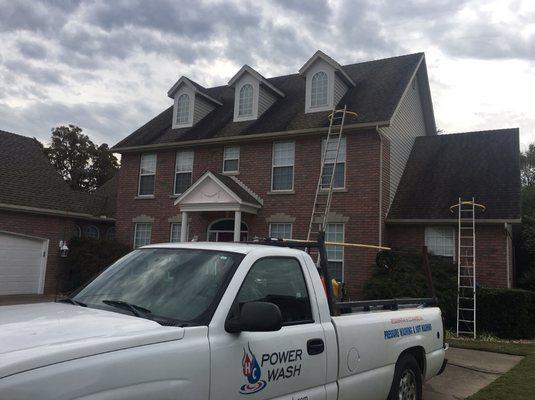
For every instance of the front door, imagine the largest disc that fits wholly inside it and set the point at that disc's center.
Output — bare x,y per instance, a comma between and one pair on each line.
267,365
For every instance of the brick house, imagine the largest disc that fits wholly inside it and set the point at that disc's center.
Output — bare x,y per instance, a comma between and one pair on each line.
37,211
243,159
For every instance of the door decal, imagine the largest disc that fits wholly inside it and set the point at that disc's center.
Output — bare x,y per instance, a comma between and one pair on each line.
251,371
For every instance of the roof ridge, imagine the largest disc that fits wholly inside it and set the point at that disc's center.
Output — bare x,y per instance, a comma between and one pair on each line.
18,135
483,132
247,189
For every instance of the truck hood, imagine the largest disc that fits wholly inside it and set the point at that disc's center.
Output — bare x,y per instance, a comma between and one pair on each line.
36,335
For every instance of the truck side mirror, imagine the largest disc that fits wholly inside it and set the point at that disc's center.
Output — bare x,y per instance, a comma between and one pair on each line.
255,316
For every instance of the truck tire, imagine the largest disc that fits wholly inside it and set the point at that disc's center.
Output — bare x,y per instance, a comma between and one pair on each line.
407,383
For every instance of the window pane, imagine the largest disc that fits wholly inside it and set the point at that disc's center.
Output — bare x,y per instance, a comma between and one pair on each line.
184,161
142,234
318,92
182,110
232,152
148,164
339,176
336,270
283,178
182,182
280,230
440,240
245,102
335,254
230,166
283,154
279,281
110,233
91,232
146,185
175,232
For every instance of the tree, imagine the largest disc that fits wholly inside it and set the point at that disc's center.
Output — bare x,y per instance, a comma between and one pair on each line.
78,160
527,166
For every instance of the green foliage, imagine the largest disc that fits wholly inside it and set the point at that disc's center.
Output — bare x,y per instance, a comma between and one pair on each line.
78,160
407,279
507,313
87,258
524,240
527,166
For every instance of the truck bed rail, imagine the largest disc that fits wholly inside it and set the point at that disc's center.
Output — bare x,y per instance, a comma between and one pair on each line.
386,304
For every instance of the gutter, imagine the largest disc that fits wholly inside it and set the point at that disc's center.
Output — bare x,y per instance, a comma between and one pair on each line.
244,138
448,221
59,213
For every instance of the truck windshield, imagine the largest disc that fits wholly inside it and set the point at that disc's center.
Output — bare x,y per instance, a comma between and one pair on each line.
178,285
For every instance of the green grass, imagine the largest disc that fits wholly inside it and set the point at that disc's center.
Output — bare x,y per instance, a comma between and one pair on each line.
519,382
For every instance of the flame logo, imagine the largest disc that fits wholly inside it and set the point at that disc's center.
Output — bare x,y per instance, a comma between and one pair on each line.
251,370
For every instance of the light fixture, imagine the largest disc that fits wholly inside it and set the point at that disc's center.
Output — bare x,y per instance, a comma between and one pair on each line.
63,249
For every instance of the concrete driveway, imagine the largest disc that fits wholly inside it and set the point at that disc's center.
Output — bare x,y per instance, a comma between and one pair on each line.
468,371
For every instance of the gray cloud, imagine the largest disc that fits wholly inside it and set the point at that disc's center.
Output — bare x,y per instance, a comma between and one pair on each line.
31,49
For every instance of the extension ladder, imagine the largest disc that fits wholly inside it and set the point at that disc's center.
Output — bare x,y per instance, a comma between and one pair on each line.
466,267
329,158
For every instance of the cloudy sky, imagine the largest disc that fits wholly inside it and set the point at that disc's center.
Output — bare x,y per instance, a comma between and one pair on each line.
106,66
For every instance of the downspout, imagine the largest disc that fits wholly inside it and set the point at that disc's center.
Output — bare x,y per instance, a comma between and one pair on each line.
380,185
508,238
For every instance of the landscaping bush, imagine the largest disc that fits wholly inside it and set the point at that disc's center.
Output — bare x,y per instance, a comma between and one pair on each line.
507,313
86,259
406,278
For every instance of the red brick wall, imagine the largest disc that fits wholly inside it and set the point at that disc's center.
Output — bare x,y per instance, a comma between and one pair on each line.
54,229
360,201
491,252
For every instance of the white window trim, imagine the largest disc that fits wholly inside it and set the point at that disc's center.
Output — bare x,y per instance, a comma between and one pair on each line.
343,249
289,165
140,175
319,66
230,159
324,143
246,79
135,233
455,244
183,172
281,223
191,94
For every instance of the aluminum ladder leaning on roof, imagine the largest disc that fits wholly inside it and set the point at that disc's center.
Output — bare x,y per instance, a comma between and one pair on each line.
466,266
329,158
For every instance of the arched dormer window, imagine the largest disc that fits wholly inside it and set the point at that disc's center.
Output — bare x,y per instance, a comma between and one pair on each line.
245,104
318,90
182,109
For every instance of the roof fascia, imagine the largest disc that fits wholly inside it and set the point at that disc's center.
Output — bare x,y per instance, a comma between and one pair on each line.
48,211
337,67
205,176
408,221
242,138
186,81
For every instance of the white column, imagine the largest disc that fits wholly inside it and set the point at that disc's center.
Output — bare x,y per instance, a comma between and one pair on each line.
237,225
184,227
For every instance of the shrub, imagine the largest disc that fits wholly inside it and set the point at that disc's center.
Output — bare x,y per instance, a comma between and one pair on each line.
507,313
86,259
406,278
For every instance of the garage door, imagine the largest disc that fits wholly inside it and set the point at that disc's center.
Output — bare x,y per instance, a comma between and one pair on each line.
22,264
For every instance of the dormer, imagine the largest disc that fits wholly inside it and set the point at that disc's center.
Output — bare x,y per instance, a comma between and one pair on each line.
326,82
253,94
191,103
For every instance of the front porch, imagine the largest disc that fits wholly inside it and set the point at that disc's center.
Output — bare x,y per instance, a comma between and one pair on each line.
216,194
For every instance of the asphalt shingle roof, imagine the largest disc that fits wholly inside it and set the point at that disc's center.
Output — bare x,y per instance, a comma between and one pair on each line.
483,164
237,188
28,179
380,85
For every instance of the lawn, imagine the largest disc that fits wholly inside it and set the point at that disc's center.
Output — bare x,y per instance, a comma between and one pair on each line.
519,382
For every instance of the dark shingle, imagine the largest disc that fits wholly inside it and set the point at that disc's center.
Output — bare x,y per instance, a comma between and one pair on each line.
237,188
379,87
484,165
28,179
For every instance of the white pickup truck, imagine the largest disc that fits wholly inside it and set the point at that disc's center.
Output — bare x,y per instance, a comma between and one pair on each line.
215,321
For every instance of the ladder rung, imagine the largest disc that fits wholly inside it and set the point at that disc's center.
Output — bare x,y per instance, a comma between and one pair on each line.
467,276
466,287
466,298
466,321
467,332
466,247
466,309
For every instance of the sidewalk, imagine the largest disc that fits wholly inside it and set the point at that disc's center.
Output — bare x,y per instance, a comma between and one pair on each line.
468,371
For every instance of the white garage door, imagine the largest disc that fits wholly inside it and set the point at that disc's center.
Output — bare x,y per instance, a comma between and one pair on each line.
22,264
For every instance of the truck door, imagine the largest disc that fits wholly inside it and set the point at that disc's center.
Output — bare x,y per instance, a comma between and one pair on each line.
285,364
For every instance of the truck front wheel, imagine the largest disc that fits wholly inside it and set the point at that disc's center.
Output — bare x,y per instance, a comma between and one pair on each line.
407,383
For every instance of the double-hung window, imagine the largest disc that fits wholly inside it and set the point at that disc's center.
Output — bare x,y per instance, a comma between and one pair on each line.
183,171
147,174
280,230
440,240
231,159
331,162
283,166
175,232
142,233
335,254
